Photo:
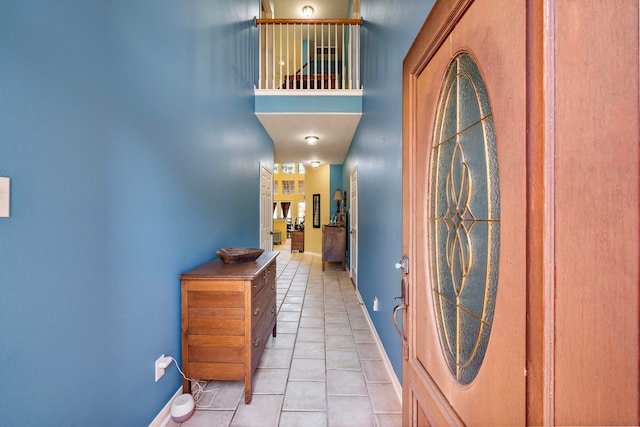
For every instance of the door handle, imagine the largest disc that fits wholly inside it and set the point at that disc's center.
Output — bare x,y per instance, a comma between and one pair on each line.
397,309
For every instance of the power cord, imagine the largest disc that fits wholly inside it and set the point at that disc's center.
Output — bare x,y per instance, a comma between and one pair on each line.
200,386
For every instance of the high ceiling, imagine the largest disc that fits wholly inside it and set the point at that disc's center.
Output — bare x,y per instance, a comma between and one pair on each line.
288,130
323,9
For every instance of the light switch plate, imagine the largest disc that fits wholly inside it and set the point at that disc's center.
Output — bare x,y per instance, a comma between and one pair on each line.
5,196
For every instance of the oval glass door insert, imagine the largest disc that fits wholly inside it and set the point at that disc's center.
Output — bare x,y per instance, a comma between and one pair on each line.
464,218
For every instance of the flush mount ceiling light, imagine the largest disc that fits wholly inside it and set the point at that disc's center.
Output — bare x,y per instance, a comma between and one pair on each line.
311,140
307,11
315,163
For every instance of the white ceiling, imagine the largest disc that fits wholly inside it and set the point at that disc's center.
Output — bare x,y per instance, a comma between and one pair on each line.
323,9
288,130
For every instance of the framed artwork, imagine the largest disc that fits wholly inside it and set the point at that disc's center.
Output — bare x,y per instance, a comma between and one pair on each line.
316,211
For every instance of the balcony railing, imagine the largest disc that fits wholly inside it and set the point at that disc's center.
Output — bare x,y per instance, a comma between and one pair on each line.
309,54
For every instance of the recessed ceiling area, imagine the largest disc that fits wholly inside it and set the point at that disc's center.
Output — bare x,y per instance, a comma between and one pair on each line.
288,132
322,9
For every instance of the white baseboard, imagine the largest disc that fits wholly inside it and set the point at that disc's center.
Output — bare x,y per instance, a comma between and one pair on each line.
163,418
385,358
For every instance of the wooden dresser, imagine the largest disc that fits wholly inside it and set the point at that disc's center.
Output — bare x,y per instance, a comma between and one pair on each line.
297,241
228,312
334,245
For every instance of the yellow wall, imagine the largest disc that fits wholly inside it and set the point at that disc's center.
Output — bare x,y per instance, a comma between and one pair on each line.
317,182
281,226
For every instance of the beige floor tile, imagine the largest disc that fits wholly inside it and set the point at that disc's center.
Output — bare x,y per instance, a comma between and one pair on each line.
340,317
384,398
303,419
288,316
264,410
305,396
281,340
358,322
363,335
293,299
309,350
270,381
275,358
349,411
311,334
368,351
311,322
337,328
340,342
345,383
286,327
342,359
209,419
374,371
313,312
227,396
307,370
388,420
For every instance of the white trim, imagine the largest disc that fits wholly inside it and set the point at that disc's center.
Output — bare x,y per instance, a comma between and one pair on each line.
308,92
385,359
164,416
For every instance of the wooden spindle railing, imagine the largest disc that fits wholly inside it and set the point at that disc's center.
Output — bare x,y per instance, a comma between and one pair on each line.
309,53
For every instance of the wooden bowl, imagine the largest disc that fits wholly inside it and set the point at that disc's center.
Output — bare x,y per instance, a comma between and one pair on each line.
238,255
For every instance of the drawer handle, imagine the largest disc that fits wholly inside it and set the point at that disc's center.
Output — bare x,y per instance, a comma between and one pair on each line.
256,342
273,286
273,308
256,311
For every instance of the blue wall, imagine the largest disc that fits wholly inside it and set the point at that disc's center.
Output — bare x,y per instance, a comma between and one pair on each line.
335,183
389,28
128,131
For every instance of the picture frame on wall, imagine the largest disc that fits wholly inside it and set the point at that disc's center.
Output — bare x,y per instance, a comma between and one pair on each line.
316,211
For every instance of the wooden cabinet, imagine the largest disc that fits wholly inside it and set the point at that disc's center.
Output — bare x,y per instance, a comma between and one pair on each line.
334,245
228,312
297,241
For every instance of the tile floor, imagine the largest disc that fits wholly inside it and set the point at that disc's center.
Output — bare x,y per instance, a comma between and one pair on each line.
322,369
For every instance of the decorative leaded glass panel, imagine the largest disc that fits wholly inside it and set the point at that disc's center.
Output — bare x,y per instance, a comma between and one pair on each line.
464,224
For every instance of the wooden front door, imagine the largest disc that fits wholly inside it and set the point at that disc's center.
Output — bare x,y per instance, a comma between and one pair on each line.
464,223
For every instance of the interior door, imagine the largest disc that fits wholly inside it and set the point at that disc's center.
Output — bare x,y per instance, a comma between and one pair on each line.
266,207
353,226
464,216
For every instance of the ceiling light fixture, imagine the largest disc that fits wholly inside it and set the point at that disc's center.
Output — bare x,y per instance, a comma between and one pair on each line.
315,163
307,11
311,140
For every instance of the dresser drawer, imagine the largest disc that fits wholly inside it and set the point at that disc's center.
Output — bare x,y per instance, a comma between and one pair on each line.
268,276
216,321
260,335
262,303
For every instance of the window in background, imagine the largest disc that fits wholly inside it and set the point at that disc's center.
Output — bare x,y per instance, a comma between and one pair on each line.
288,168
288,188
301,187
300,168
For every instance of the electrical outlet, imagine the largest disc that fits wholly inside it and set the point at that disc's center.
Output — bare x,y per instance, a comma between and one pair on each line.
159,367
375,304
